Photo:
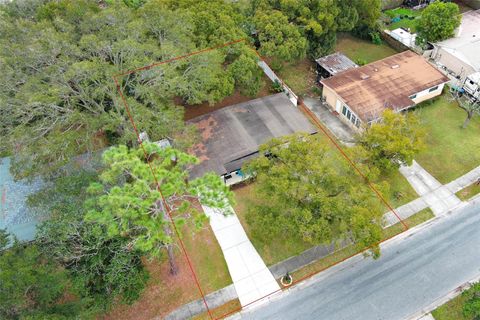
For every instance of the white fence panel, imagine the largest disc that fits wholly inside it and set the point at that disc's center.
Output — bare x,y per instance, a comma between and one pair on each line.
270,74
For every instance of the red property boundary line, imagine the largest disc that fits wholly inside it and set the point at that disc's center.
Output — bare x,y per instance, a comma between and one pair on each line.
116,78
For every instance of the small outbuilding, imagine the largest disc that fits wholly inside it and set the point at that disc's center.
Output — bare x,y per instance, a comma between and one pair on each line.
333,64
404,36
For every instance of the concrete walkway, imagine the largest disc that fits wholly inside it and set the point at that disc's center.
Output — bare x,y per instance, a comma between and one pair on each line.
440,198
339,129
214,300
404,211
437,196
251,278
464,181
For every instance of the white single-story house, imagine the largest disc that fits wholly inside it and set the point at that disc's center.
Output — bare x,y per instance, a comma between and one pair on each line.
460,55
360,95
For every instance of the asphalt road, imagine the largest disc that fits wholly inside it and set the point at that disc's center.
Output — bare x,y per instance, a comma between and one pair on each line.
413,272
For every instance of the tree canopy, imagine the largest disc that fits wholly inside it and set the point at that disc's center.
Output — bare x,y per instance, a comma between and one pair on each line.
316,24
393,141
101,268
30,284
279,38
438,21
58,100
310,191
57,96
133,203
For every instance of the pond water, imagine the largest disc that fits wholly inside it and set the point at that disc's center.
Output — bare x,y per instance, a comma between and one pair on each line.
15,215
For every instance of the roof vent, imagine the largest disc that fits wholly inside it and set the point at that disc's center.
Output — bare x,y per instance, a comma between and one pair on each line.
364,76
395,66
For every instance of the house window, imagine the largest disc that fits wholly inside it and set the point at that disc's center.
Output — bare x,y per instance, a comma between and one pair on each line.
353,119
344,111
433,89
358,123
348,114
413,96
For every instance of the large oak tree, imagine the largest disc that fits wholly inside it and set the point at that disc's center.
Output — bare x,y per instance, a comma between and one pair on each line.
308,189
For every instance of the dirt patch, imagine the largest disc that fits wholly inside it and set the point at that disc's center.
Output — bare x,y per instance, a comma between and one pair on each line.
165,293
301,77
221,312
193,111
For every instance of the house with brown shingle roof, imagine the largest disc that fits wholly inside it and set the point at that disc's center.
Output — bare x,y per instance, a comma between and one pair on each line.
360,95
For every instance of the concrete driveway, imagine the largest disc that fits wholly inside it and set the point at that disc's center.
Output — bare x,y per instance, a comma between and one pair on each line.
340,130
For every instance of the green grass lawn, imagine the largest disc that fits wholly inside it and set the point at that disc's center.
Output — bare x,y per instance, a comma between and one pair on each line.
452,310
351,250
271,250
408,20
221,311
300,77
357,49
451,151
401,192
469,192
419,217
275,250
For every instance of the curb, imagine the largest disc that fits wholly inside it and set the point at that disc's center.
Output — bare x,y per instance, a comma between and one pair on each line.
442,300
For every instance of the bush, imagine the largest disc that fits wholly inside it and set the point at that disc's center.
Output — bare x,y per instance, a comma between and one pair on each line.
277,86
376,39
471,308
360,61
276,65
317,90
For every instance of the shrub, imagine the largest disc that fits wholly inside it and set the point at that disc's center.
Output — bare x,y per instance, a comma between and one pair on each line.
360,61
277,86
471,308
376,39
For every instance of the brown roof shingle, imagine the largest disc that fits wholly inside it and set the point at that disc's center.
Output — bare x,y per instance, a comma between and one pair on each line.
387,83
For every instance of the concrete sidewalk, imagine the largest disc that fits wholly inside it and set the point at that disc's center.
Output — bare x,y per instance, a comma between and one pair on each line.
464,181
214,300
251,278
437,196
404,212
